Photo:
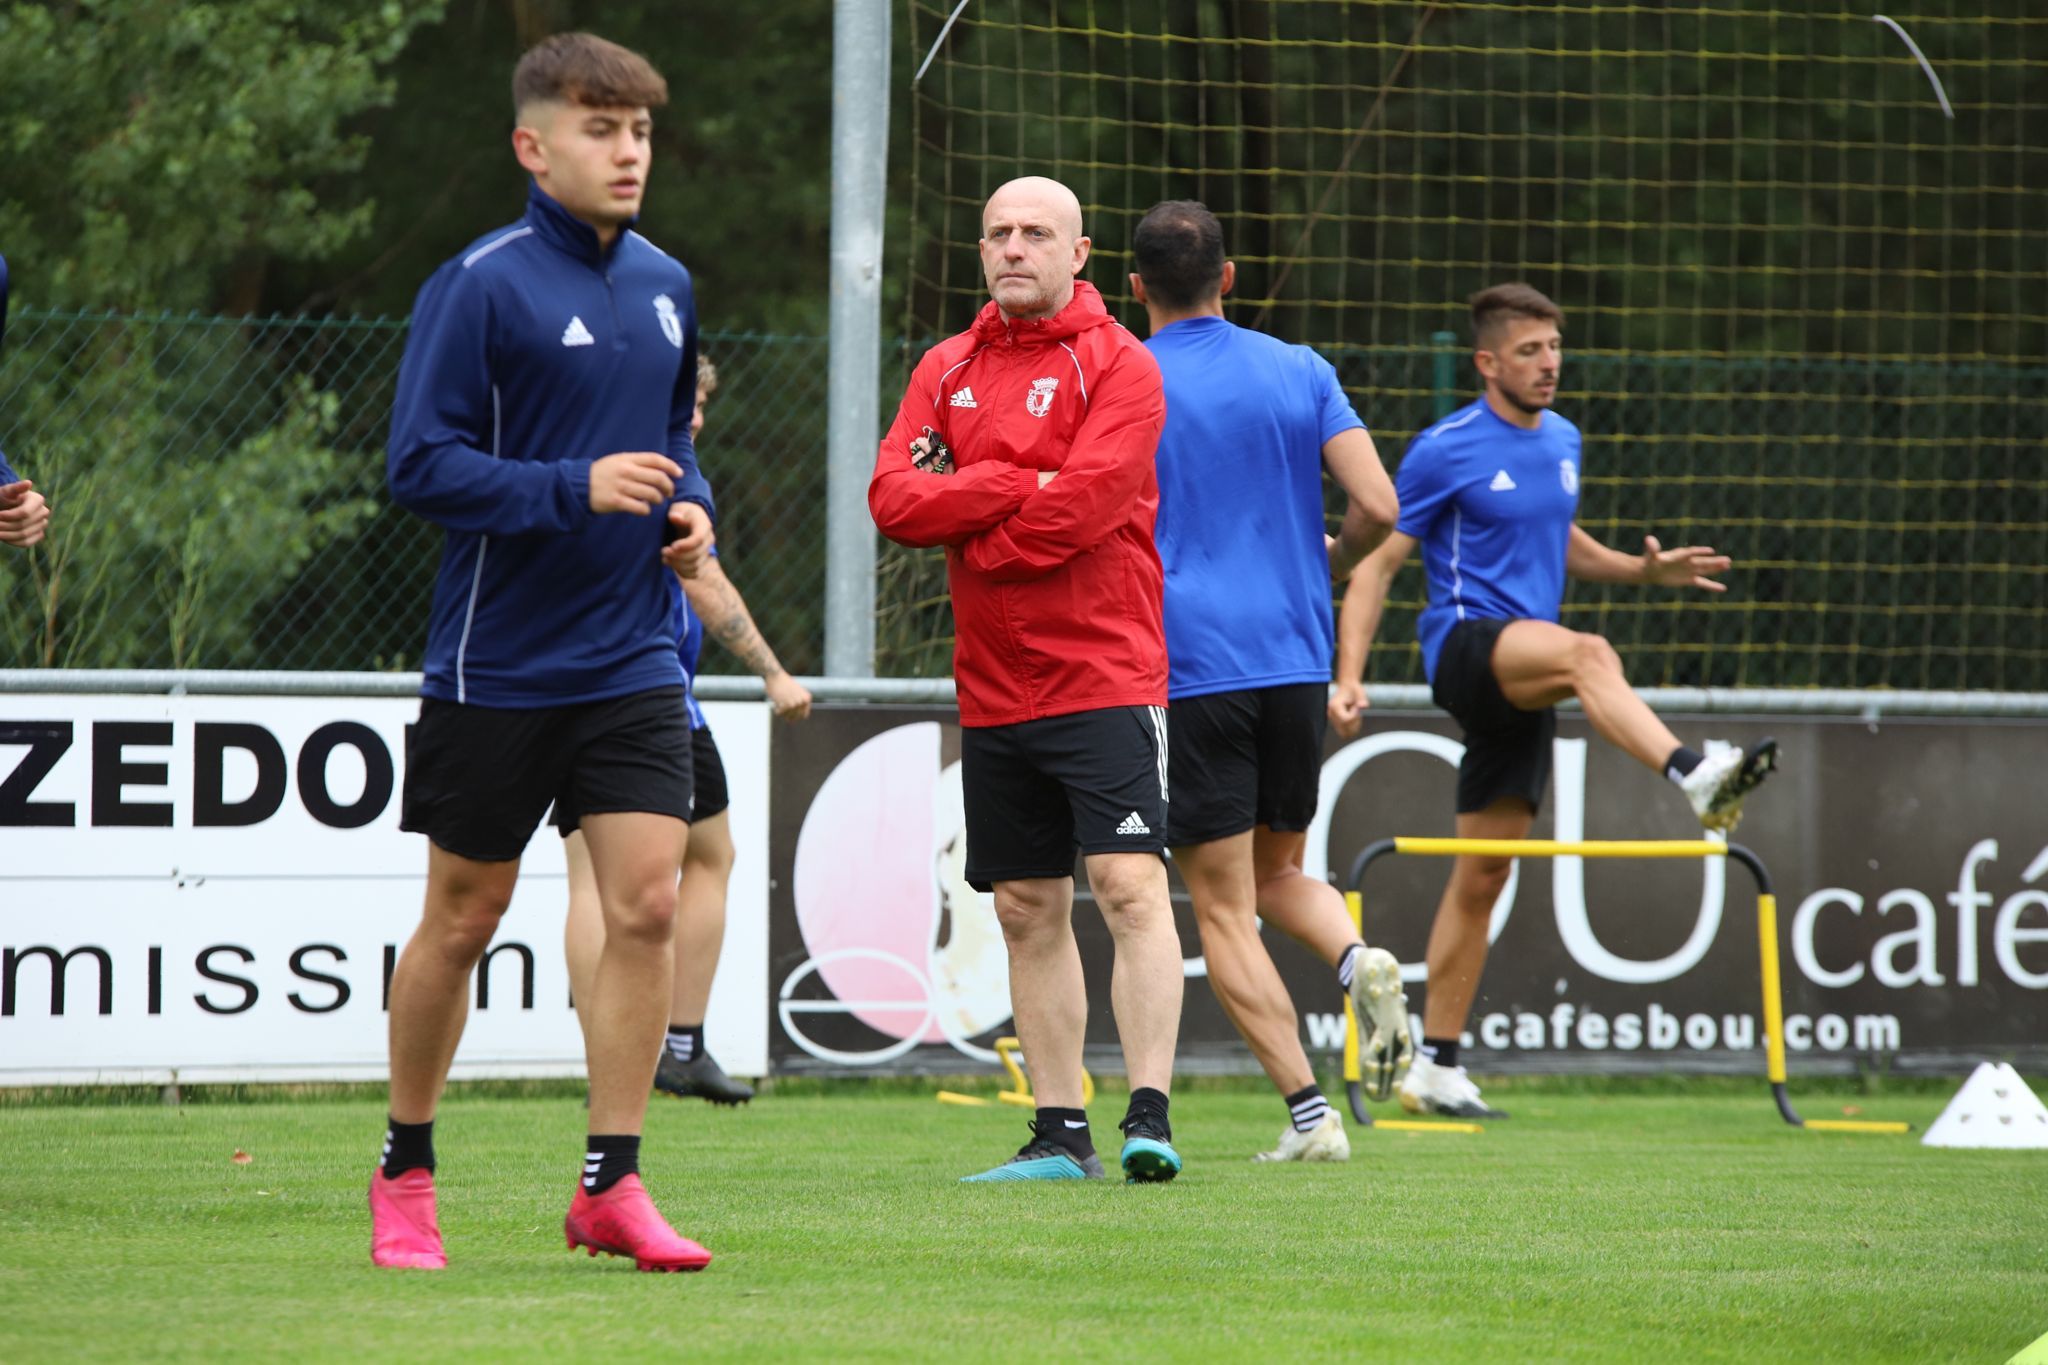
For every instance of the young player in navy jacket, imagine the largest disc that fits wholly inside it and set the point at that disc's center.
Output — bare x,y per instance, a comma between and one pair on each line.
543,418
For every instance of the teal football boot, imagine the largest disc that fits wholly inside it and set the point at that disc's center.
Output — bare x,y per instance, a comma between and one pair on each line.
1148,1156
1041,1159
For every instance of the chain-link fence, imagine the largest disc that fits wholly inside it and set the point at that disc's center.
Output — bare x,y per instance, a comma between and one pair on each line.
1807,304
1889,520
217,493
218,496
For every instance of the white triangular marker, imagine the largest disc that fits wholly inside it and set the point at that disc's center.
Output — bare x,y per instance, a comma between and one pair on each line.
1993,1109
2035,1354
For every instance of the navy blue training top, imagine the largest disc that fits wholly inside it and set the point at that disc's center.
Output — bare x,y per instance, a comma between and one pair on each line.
1492,504
533,354
1241,507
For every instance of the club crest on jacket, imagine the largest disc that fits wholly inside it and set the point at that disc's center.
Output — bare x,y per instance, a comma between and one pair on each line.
1039,401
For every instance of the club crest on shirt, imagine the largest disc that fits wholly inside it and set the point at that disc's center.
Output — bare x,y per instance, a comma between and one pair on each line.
1039,401
671,325
1568,475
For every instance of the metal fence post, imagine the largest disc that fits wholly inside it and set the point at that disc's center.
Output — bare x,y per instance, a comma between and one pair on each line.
860,151
1444,381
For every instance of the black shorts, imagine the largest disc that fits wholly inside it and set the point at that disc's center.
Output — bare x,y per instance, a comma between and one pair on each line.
1507,749
478,779
1041,791
1240,759
709,795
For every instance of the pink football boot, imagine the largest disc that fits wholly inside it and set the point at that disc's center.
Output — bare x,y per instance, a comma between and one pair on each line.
403,1230
624,1222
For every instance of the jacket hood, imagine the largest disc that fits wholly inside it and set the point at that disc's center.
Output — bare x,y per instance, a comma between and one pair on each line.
1082,312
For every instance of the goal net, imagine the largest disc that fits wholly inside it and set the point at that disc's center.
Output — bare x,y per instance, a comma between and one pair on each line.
1807,311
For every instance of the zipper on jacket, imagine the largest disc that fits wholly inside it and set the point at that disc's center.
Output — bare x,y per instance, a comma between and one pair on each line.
618,327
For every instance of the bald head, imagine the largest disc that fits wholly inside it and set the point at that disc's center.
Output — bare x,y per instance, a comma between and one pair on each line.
1032,247
1037,197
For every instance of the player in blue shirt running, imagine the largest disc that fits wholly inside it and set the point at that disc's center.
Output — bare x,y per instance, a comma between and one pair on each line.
1251,423
707,601
24,516
1491,493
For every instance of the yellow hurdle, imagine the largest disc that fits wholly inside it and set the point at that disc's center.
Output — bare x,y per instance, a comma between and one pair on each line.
1558,848
1010,1053
1766,929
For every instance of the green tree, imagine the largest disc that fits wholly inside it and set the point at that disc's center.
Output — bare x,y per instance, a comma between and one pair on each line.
739,190
193,475
145,570
190,156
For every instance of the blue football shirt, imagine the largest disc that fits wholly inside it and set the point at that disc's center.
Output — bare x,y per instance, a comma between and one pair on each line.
1492,504
1240,527
689,629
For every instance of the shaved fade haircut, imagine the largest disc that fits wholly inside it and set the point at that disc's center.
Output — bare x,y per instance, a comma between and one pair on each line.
582,68
1493,309
1178,249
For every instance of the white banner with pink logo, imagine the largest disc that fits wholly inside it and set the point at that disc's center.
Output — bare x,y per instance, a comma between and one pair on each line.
903,945
1910,859
216,888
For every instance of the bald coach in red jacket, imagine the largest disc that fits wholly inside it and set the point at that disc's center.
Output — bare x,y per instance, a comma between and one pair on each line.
1025,447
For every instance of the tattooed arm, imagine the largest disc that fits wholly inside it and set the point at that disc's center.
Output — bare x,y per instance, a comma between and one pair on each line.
726,619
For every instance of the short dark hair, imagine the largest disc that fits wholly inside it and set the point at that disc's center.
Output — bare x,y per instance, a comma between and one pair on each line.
1178,249
1492,308
582,68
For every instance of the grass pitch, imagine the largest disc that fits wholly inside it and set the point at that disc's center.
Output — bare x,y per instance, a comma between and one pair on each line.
1627,1227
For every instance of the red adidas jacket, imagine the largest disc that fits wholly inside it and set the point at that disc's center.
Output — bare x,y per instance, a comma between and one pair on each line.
1056,590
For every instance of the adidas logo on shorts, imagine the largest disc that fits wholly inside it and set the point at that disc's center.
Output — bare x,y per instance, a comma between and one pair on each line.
1133,825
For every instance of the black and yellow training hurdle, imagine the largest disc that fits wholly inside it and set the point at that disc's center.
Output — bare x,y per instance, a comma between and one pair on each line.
1766,930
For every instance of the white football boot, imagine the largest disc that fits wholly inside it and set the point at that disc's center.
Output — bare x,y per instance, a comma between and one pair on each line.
1324,1142
1725,775
1445,1090
1384,1047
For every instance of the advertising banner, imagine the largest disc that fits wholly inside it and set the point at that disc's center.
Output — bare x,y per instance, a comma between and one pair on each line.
216,888
1910,860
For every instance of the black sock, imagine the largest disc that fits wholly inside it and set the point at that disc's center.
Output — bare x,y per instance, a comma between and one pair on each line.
1306,1108
1347,965
1147,1104
1442,1051
1681,763
407,1147
686,1042
609,1158
1067,1129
